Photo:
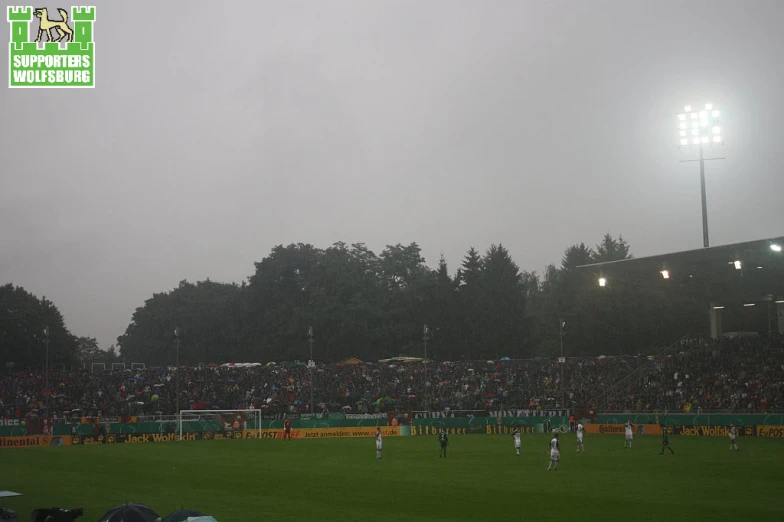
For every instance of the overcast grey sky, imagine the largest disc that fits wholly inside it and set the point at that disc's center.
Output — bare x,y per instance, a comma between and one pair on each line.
218,130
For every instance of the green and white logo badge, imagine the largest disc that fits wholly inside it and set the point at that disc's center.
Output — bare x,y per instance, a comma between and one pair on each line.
62,55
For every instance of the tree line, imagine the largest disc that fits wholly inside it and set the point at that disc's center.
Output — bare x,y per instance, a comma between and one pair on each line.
30,325
372,306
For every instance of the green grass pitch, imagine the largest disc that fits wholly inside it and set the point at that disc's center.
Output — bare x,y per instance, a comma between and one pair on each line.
340,479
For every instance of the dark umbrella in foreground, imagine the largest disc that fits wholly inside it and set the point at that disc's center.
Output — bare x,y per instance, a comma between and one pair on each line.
130,513
182,515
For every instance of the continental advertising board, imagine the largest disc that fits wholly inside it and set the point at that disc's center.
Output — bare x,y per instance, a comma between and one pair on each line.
34,441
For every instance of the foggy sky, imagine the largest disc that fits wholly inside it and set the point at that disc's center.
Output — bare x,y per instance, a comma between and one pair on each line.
218,130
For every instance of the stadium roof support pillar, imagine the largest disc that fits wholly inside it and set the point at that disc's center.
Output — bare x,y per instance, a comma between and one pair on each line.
715,321
780,313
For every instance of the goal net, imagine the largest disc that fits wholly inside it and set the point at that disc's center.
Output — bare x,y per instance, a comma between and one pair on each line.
189,421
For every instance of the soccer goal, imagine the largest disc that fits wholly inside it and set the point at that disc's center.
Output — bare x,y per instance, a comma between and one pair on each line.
218,420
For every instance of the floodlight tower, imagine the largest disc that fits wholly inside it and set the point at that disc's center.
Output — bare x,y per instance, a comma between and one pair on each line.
698,128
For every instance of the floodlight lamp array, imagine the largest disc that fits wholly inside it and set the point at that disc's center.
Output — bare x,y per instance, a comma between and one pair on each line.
700,126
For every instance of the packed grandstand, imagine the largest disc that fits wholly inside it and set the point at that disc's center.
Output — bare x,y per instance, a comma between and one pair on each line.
733,374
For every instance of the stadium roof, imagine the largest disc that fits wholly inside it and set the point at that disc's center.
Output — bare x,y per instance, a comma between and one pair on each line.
759,275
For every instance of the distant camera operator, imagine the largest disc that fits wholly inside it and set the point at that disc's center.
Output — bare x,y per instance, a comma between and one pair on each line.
56,515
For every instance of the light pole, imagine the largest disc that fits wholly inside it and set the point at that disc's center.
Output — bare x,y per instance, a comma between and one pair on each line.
562,362
698,128
46,364
311,366
177,370
425,331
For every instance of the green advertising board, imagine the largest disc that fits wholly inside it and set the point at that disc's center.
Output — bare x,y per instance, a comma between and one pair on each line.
690,419
487,425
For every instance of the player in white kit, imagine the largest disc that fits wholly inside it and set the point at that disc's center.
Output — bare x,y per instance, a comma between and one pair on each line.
733,434
516,437
580,432
555,453
378,443
629,429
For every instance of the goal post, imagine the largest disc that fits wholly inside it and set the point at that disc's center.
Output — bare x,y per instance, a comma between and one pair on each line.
218,420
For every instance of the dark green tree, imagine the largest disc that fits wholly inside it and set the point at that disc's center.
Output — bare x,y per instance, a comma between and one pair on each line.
203,314
503,305
23,321
611,249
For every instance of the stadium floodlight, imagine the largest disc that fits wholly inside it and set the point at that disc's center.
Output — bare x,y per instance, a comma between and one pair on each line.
705,121
780,302
665,274
775,247
737,264
705,130
602,281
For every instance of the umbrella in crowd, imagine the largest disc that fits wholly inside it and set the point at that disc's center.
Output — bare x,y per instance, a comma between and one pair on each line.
181,516
130,513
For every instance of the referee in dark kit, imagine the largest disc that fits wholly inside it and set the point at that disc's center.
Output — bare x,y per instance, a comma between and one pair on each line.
665,441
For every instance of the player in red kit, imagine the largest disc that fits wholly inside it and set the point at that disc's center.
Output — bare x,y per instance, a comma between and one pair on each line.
287,430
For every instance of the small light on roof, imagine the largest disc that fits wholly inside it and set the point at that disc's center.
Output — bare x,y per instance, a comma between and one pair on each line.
738,265
748,304
775,248
602,281
665,274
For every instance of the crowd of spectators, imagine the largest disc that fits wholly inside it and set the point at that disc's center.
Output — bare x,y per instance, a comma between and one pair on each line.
742,374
